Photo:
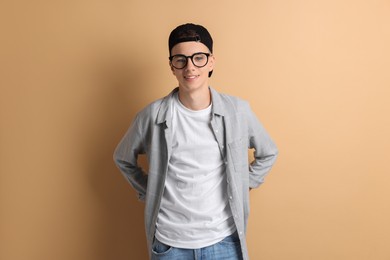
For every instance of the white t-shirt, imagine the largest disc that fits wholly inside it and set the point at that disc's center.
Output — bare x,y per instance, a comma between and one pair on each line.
194,210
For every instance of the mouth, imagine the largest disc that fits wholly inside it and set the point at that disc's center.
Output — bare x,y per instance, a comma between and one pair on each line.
189,77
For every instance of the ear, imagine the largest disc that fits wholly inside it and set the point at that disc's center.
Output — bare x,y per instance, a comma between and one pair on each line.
211,62
172,68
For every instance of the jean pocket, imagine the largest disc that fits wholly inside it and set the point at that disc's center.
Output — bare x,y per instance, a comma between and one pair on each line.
159,248
230,248
232,239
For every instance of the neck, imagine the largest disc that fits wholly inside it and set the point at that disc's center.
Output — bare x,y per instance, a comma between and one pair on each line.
195,100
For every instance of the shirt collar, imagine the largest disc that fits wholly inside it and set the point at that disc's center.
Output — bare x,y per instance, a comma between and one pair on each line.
164,113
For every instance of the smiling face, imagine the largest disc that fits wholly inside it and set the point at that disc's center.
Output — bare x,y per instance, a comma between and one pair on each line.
192,78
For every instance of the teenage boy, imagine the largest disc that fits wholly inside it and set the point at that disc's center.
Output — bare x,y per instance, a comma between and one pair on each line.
196,191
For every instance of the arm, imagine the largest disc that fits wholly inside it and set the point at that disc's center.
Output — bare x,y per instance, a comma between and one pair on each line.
265,151
126,155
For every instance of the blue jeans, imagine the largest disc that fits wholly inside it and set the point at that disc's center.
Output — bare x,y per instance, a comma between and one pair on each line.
228,249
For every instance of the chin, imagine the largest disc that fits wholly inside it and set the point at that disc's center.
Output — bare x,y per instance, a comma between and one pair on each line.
194,86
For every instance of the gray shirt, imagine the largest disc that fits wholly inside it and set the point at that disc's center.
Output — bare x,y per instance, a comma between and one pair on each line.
236,129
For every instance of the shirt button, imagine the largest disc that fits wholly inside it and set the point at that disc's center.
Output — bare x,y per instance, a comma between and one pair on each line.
240,232
216,130
231,197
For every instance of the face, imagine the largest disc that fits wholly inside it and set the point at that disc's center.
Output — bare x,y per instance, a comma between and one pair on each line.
192,78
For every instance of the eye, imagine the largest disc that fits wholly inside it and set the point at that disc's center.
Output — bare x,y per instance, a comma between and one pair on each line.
199,57
179,59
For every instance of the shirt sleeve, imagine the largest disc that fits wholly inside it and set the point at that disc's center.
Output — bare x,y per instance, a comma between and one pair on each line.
265,150
126,158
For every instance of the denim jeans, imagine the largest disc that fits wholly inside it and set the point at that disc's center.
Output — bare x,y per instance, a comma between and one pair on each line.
228,249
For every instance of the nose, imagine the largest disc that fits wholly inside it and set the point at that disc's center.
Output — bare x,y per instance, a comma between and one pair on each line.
190,65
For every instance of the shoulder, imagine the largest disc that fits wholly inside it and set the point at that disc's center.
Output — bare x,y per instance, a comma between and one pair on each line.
149,112
151,106
157,110
234,100
230,103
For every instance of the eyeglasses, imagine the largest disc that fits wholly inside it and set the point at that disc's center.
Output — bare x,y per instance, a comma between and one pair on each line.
199,59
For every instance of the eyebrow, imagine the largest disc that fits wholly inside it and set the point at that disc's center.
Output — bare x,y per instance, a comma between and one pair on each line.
189,55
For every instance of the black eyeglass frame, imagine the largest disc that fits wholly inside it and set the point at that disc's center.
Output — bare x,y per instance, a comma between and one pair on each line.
192,59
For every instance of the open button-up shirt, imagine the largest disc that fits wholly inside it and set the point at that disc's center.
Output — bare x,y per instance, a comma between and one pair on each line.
236,130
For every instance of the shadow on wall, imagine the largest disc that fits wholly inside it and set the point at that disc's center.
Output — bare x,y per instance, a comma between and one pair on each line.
116,82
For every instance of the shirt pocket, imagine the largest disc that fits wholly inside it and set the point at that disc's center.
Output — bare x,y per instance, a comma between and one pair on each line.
238,150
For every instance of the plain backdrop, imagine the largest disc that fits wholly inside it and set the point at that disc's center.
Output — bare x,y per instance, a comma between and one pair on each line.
74,74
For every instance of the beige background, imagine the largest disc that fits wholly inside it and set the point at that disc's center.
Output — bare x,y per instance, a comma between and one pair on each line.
74,73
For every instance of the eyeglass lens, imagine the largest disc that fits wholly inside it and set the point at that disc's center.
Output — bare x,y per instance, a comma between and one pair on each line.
198,59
